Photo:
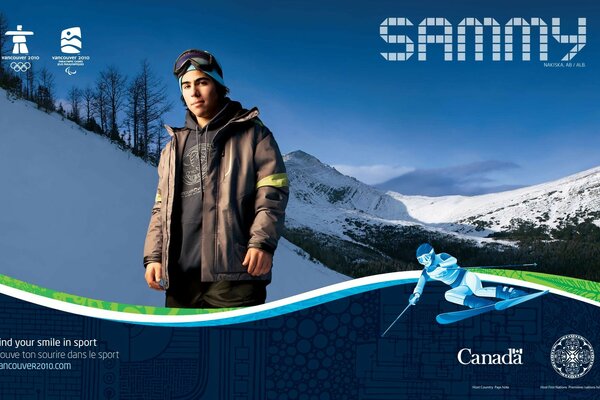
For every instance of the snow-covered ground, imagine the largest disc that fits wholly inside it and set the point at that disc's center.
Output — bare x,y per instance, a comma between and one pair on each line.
75,210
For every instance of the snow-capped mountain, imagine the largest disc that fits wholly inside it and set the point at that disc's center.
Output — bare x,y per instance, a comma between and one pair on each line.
322,195
574,199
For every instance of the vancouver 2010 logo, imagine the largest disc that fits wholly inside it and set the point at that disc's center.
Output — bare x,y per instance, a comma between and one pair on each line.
572,356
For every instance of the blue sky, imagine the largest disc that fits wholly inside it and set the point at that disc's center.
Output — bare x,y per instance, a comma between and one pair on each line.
315,71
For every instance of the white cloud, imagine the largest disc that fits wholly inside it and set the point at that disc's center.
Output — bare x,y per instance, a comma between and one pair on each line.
373,174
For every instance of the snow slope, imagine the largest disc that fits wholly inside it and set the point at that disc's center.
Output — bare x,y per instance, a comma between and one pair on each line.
547,203
76,210
322,198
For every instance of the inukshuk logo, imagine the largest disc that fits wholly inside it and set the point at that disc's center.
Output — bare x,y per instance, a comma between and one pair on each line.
572,356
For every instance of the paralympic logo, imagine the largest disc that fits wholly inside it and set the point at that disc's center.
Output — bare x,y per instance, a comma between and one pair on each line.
70,40
20,66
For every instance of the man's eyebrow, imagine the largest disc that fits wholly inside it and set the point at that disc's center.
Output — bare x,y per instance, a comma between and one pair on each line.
195,80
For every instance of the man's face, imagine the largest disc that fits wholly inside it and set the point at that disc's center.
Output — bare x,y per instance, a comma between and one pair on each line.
200,95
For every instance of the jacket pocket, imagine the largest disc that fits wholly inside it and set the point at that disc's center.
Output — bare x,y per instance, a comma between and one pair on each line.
239,255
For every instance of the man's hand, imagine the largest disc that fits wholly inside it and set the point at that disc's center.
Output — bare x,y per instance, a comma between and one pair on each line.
154,275
258,261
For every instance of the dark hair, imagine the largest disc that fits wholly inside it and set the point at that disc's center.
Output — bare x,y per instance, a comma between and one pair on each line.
222,91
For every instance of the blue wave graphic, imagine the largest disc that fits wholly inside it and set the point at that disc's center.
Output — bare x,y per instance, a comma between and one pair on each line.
285,309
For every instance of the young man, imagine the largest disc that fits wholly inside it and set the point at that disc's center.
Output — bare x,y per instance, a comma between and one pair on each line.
221,198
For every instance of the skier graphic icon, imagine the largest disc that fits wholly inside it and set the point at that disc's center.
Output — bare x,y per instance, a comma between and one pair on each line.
19,38
466,287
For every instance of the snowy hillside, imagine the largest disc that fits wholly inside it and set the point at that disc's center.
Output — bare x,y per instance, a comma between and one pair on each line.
76,209
320,185
574,198
324,200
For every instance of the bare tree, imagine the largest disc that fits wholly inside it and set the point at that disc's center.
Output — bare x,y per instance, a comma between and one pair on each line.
11,82
147,102
114,83
45,90
154,105
60,109
100,105
74,100
46,79
3,40
29,84
161,138
133,114
87,99
87,96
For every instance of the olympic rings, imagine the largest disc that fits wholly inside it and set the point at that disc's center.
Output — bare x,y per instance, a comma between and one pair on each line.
20,66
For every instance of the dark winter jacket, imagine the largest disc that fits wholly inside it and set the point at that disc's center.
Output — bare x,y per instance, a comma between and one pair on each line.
245,195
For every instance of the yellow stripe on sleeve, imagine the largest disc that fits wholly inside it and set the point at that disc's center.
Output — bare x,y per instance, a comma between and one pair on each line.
276,180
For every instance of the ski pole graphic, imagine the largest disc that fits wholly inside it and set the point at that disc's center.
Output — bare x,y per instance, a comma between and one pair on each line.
397,318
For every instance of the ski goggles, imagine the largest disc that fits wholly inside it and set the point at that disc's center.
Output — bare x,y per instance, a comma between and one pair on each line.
201,59
425,259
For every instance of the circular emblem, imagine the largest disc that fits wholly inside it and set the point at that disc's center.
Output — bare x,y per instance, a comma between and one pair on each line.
572,356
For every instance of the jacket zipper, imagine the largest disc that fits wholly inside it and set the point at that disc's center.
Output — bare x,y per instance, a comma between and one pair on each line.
216,227
172,151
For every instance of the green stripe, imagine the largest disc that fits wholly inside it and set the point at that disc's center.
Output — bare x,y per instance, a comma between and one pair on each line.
276,180
100,304
588,289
